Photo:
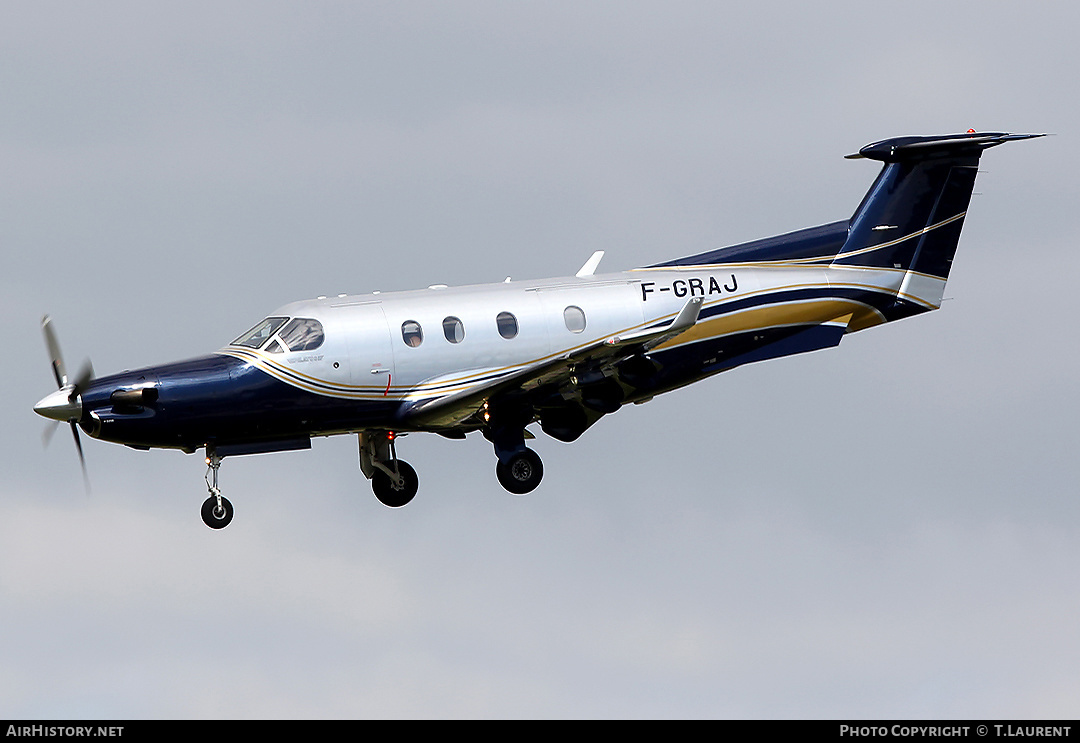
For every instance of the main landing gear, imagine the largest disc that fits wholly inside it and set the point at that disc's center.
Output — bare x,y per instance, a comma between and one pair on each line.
217,511
395,483
393,480
519,469
521,472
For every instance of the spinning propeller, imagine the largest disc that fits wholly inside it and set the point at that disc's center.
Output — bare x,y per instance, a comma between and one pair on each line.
66,403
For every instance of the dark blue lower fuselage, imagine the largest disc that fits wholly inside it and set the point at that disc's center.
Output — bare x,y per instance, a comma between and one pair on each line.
218,400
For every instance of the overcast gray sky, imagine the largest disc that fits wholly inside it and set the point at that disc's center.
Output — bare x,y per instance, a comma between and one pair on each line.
887,529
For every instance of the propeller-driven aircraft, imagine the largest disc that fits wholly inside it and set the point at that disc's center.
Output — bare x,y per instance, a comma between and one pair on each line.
563,352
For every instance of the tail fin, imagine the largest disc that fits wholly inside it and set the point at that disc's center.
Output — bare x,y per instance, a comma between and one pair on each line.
911,217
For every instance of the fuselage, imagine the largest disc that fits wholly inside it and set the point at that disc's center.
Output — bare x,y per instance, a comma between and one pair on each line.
381,353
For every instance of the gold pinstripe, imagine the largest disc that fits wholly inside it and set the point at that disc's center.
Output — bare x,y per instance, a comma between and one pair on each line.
899,240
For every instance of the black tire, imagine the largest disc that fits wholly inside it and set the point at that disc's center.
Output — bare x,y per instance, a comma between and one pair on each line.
388,494
217,518
522,472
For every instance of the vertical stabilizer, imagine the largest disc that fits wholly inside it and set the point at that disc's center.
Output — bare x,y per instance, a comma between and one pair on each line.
910,219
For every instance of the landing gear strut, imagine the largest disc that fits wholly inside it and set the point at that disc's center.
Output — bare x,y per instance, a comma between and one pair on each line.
393,480
217,511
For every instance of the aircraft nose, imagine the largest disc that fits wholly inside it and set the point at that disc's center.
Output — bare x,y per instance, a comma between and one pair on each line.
59,406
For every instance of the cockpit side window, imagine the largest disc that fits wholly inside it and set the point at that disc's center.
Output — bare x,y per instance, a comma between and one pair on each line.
302,334
259,334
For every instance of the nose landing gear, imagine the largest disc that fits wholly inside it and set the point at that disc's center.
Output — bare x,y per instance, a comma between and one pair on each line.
217,511
393,480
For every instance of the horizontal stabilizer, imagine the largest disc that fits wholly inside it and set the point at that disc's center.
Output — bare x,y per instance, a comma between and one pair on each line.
947,145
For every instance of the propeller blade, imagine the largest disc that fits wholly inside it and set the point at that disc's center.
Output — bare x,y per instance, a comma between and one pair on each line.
86,373
47,434
55,359
82,459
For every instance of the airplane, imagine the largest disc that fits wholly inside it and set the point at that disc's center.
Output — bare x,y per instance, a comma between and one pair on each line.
564,352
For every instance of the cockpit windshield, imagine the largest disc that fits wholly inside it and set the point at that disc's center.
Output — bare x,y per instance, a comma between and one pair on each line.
300,334
259,334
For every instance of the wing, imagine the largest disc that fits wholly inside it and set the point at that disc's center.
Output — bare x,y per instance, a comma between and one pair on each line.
576,369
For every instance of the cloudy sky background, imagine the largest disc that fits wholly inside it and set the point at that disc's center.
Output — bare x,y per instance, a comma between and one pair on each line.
886,529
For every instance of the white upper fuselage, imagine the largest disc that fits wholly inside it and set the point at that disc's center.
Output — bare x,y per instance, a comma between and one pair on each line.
367,353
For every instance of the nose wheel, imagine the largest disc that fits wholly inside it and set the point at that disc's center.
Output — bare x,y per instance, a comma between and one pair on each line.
395,491
217,511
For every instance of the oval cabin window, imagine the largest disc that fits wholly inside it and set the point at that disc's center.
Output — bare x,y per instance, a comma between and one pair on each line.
574,318
411,333
507,323
453,329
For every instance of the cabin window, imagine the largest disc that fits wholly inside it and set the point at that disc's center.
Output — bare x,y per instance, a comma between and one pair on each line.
453,329
302,334
574,317
259,334
411,333
507,323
